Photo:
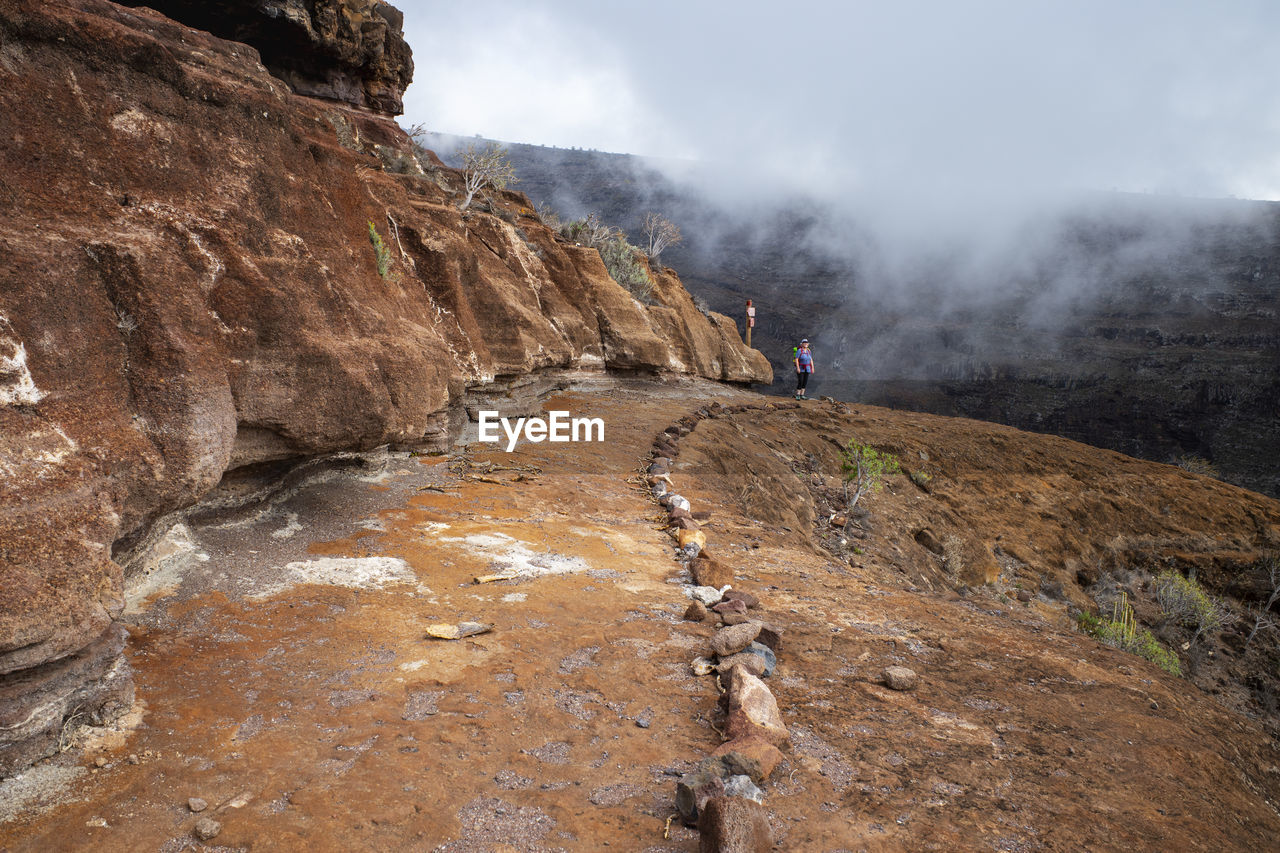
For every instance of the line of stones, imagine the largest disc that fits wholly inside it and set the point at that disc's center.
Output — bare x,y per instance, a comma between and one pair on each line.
721,796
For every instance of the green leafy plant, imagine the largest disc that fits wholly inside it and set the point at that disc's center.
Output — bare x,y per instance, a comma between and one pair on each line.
864,468
920,478
381,254
1121,631
1184,602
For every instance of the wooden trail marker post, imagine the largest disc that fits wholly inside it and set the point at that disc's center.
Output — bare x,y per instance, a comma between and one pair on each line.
751,320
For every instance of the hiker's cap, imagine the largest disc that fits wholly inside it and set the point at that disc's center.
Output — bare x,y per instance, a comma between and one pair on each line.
805,341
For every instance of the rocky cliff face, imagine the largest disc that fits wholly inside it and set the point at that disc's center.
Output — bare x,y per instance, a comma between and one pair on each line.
343,50
205,274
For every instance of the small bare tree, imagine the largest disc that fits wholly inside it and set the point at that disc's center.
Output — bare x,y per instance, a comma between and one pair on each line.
1264,618
485,167
662,234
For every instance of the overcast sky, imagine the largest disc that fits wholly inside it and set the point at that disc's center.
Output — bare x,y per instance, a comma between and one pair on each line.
915,97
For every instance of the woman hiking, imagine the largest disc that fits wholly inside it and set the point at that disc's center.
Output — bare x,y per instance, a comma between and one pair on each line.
804,367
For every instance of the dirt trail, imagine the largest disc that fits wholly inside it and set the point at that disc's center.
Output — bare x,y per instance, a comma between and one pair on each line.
321,716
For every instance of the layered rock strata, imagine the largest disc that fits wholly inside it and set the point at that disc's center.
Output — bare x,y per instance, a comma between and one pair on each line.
205,273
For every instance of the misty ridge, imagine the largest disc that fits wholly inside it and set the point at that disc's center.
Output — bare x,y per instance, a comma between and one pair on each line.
932,287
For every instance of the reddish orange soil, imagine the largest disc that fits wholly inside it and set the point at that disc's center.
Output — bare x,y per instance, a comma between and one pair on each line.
321,717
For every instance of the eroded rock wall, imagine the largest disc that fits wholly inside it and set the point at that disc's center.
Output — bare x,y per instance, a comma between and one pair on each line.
189,285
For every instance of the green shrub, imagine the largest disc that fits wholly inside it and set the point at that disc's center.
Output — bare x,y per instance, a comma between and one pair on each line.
381,254
920,478
1184,602
622,260
1121,631
864,468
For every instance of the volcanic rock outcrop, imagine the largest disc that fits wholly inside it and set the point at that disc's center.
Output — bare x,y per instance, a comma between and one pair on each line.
343,50
207,274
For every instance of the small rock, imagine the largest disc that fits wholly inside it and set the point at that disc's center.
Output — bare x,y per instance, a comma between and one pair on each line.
711,572
900,678
732,618
728,605
207,828
702,666
734,638
692,537
745,597
1025,595
686,524
100,761
695,612
753,757
753,664
758,659
708,595
645,719
133,759
678,501
695,788
676,512
100,822
659,489
753,710
445,631
197,805
742,786
734,825
771,636
839,520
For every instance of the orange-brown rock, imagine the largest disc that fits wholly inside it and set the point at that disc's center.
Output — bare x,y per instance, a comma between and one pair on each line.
708,571
734,825
193,290
751,756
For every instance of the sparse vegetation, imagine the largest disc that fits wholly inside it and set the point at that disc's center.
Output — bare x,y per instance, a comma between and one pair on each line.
1198,465
1263,619
662,234
619,256
485,167
920,478
1121,631
864,468
1184,602
381,254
